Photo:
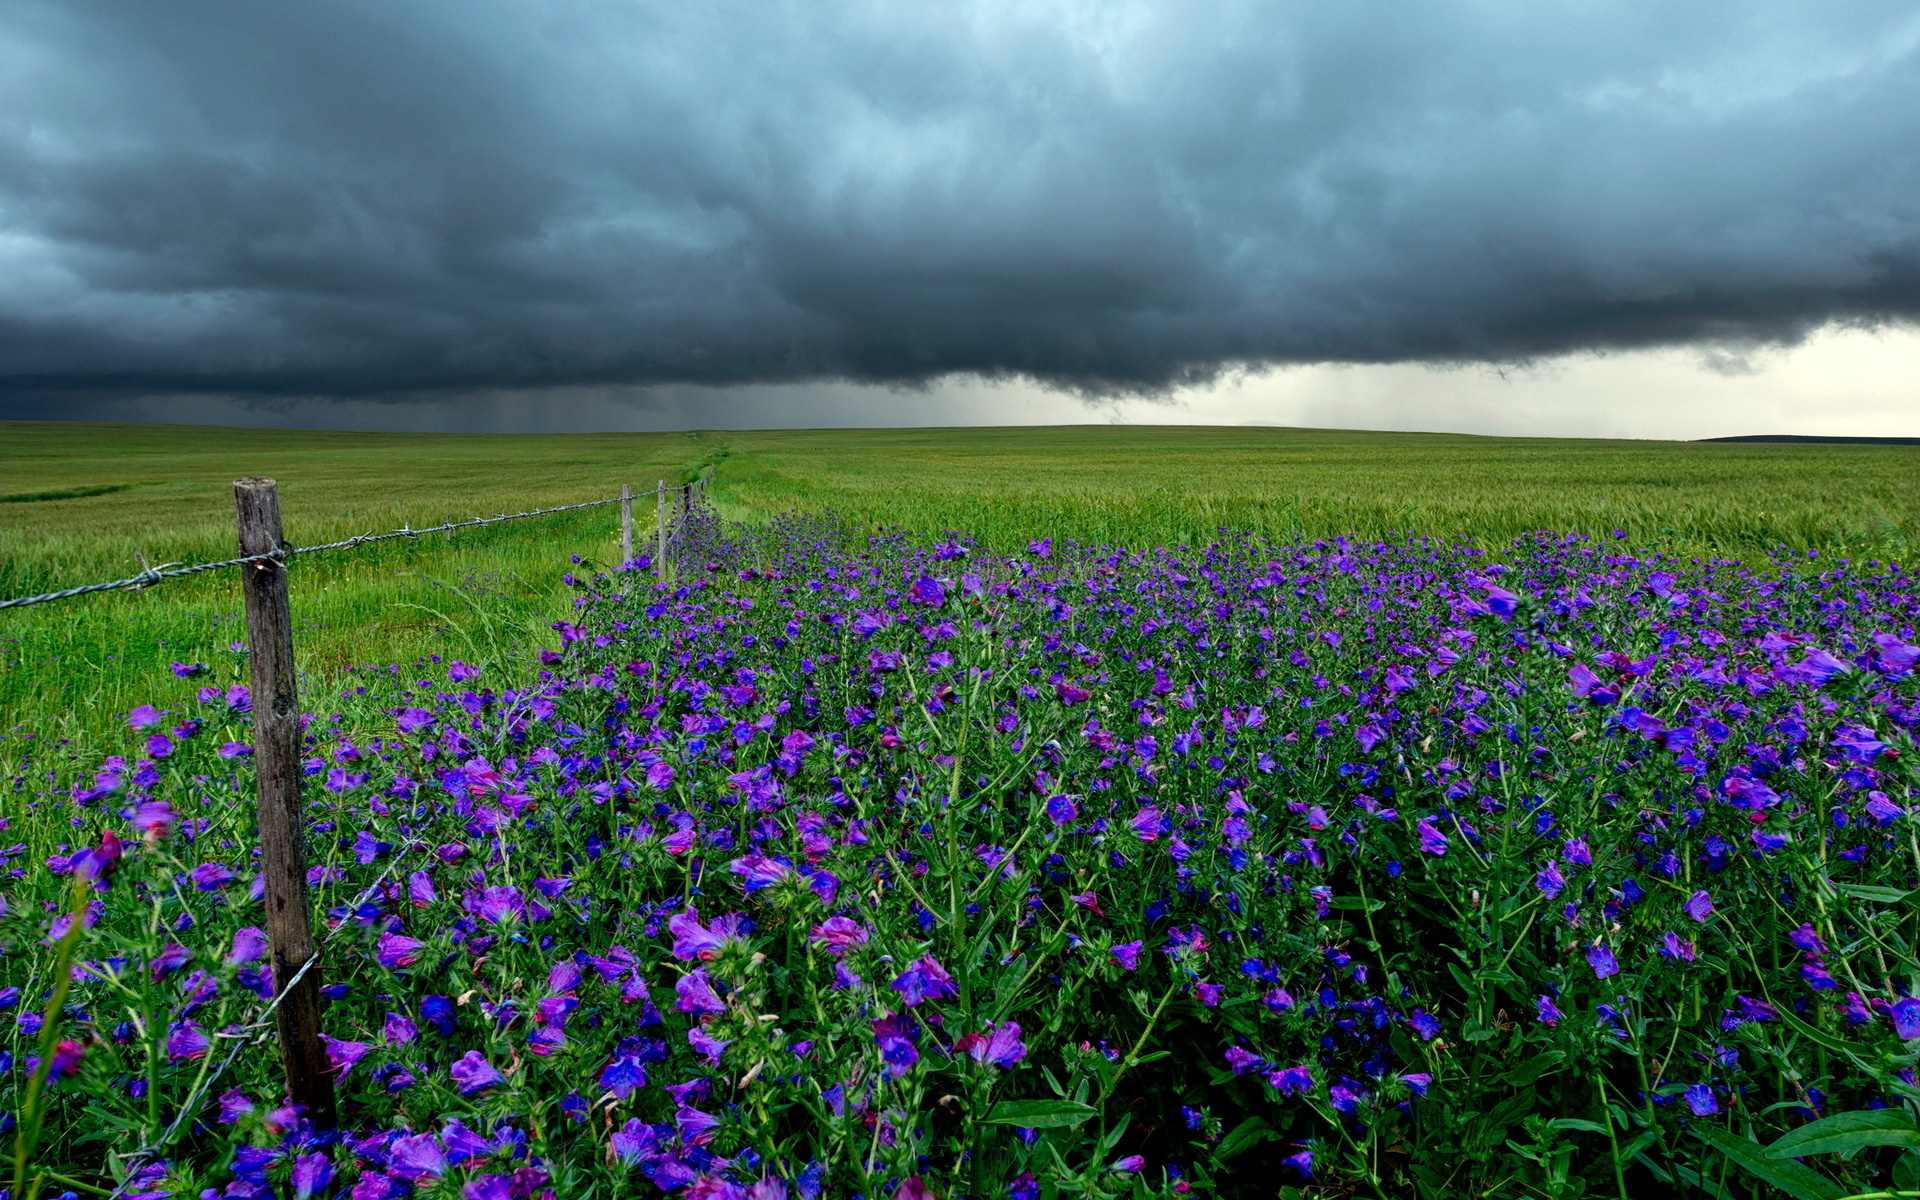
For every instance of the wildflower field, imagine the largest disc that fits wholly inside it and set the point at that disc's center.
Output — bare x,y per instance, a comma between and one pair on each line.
881,865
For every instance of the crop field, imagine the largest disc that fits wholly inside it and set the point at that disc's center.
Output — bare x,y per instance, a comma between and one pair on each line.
1076,858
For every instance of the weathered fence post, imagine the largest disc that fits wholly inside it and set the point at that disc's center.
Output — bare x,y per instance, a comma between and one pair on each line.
660,530
276,757
626,524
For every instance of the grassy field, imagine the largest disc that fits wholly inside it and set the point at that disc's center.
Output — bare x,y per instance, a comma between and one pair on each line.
80,502
73,665
1142,484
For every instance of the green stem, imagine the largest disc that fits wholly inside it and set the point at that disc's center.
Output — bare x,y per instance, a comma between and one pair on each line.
28,1137
1133,1055
1606,1114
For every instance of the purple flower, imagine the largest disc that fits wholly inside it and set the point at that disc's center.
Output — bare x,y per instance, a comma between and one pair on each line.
1130,1165
419,1155
1291,1081
1127,954
396,950
144,717
1906,1017
489,1187
343,1056
311,1175
1424,1023
706,1046
1432,841
1601,959
839,935
1545,1011
1301,1162
694,1127
496,905
1148,823
1805,938
1417,1082
234,1104
895,1034
1550,881
1672,945
634,1142
623,1076
757,871
1699,906
928,591
186,1040
694,940
169,960
66,1059
1701,1100
1240,1060
696,993
924,980
1061,810
472,1073
1817,976
1001,1045
153,818
211,877
399,1030
438,1011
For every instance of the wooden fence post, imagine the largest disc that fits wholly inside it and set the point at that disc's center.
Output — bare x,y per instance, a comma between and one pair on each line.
626,524
660,530
276,757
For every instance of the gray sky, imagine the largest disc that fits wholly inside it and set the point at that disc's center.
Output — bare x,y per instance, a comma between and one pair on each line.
1630,218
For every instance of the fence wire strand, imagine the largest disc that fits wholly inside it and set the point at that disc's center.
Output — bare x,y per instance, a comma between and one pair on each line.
153,575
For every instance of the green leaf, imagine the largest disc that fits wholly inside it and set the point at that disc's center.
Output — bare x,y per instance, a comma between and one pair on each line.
1879,895
1532,1069
1848,1131
1245,1136
1800,1182
1577,1124
1356,904
1815,1035
1039,1114
1906,1172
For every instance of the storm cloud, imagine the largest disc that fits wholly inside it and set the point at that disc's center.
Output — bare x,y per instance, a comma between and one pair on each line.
374,199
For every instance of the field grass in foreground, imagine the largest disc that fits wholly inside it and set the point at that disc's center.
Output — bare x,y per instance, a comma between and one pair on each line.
80,502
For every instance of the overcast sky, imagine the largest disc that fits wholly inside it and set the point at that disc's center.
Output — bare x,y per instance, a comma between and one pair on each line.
1620,218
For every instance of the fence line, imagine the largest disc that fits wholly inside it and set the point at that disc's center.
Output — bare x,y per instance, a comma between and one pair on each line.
294,1010
153,575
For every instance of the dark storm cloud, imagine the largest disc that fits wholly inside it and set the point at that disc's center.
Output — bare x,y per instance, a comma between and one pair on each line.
374,199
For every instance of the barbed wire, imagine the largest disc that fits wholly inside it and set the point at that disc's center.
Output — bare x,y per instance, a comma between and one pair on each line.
153,575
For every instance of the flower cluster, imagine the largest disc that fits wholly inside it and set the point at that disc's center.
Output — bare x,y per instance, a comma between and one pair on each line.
846,866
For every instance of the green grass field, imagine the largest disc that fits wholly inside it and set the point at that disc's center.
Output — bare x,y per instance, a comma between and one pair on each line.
80,502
